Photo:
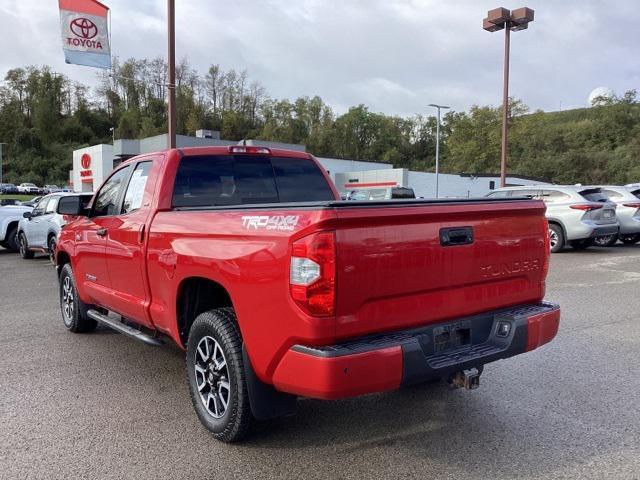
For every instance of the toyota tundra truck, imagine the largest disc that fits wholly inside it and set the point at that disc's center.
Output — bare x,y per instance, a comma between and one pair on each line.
247,259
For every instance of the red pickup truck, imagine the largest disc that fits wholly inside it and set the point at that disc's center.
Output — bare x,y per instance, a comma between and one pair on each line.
246,258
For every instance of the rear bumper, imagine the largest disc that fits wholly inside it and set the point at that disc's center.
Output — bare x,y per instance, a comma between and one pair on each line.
386,362
605,230
629,225
585,229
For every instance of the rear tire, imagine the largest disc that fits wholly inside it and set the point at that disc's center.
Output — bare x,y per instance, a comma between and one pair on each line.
556,237
216,375
606,240
630,239
11,240
52,250
74,311
24,247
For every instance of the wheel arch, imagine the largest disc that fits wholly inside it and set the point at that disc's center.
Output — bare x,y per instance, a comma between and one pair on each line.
555,221
197,295
10,225
62,258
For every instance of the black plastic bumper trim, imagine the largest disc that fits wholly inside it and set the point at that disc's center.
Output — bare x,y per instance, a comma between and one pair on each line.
423,355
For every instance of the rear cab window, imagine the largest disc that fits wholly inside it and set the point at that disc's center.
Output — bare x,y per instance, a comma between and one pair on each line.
226,180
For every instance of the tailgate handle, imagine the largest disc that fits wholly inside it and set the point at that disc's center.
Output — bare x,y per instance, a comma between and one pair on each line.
456,236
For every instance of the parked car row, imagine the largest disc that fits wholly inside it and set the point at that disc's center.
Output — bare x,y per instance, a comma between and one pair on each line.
583,216
30,189
33,227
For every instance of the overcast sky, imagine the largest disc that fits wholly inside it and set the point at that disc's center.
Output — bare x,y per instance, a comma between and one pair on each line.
395,56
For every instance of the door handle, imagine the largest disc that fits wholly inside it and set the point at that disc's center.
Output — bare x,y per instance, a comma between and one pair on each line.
456,236
102,232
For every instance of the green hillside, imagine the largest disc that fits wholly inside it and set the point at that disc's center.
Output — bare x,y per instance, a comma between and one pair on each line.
44,116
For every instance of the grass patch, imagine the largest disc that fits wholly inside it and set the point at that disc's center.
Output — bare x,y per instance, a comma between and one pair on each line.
22,198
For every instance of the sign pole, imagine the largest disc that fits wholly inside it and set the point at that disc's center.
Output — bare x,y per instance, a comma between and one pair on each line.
171,85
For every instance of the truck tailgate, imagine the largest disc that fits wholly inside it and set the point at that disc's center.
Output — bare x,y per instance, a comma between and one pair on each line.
404,265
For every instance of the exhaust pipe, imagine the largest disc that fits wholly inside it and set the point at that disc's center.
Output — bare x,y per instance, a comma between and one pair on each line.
467,379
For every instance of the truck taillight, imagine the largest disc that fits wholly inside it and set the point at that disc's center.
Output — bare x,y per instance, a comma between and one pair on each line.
312,274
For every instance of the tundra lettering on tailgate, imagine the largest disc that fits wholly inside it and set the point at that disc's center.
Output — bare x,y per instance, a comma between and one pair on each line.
502,269
277,222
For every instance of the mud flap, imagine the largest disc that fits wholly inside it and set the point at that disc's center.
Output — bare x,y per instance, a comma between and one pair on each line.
266,402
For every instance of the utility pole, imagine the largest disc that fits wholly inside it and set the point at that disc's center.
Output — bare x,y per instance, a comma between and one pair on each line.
1,144
171,84
438,146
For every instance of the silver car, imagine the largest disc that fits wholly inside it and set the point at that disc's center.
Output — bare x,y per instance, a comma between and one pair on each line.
628,212
38,229
577,215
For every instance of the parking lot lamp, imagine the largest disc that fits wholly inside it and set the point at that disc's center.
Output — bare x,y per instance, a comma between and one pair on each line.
439,107
503,19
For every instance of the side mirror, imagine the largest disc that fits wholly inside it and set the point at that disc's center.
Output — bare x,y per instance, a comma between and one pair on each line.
71,205
27,215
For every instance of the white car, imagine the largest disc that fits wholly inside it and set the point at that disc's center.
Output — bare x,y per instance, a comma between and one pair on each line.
38,229
10,217
29,188
577,215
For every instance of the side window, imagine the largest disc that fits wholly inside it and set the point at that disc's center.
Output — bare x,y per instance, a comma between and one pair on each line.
106,202
40,207
135,190
378,194
51,206
612,194
499,194
554,196
526,193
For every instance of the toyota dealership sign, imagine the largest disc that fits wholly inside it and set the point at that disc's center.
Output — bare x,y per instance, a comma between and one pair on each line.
85,34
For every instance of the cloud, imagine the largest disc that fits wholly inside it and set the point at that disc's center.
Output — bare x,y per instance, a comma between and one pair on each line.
396,56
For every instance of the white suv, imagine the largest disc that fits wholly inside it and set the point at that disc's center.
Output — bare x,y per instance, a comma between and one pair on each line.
38,230
577,215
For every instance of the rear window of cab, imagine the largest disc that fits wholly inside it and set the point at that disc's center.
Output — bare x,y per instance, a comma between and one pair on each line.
225,180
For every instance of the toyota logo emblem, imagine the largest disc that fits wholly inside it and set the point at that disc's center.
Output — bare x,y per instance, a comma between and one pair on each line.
84,28
85,161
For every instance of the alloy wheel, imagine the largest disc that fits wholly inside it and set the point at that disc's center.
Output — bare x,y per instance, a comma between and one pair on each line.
553,238
212,377
68,301
23,244
52,250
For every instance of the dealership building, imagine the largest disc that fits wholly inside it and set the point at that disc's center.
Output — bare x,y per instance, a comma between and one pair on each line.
91,165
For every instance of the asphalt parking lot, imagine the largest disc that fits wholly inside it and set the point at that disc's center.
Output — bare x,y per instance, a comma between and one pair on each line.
103,406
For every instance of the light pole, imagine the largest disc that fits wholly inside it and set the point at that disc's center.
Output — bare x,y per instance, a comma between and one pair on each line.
499,19
439,107
113,135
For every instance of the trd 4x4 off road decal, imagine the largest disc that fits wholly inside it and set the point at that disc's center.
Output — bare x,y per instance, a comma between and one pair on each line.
276,222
